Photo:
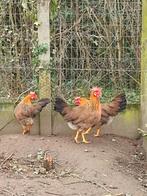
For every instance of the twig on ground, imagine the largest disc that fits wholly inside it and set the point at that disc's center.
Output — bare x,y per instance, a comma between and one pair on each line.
94,183
76,182
51,193
46,183
5,160
6,191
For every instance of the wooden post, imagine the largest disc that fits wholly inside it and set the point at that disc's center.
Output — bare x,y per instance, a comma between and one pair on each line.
144,73
44,74
144,67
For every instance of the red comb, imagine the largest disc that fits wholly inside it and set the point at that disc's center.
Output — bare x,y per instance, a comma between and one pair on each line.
96,89
32,93
77,98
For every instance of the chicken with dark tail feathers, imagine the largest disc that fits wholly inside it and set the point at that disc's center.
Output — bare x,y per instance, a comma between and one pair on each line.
108,110
90,113
25,111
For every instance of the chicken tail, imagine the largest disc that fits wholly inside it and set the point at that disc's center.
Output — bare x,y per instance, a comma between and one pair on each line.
117,105
122,102
43,102
60,105
110,110
40,105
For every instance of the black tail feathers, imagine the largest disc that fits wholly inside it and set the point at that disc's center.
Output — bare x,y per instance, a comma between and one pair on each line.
123,102
43,102
60,104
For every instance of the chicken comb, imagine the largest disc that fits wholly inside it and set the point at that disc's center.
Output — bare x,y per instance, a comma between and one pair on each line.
95,88
32,93
76,98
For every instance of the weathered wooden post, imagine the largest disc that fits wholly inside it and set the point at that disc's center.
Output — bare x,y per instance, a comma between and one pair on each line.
44,74
144,71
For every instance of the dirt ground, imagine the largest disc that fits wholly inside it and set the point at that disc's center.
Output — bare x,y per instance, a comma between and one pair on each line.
110,165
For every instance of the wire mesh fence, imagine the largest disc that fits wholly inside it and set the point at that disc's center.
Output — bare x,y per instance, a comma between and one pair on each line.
92,43
97,43
17,41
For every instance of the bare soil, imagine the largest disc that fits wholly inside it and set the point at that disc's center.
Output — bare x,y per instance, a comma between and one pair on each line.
110,165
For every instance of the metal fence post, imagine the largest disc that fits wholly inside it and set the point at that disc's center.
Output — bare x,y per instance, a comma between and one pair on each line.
44,74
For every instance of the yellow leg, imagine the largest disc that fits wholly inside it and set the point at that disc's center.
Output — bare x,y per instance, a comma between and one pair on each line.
84,140
29,127
97,133
76,137
87,131
24,130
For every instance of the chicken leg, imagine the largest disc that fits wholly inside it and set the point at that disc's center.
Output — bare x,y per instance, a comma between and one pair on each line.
77,135
97,133
24,128
87,131
83,136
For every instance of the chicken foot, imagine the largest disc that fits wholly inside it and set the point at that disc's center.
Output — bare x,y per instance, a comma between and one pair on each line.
83,136
97,133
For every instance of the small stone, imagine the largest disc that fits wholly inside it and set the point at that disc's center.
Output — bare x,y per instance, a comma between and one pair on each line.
105,175
145,185
86,150
113,187
108,195
36,171
29,155
62,173
113,140
40,154
42,170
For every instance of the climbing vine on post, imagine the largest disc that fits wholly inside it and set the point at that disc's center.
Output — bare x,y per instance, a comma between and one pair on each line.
44,74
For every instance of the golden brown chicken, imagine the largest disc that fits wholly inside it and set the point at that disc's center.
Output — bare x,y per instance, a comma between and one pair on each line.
25,111
108,111
79,118
93,102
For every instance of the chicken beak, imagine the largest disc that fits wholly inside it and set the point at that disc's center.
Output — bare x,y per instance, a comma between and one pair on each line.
95,94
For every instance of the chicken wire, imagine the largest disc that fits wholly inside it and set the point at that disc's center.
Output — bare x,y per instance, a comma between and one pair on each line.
95,42
18,38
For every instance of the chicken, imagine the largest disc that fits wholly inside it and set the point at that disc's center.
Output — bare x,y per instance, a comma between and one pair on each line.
25,111
79,118
93,102
108,111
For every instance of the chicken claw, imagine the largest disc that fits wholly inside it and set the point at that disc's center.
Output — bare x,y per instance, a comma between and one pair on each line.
97,133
